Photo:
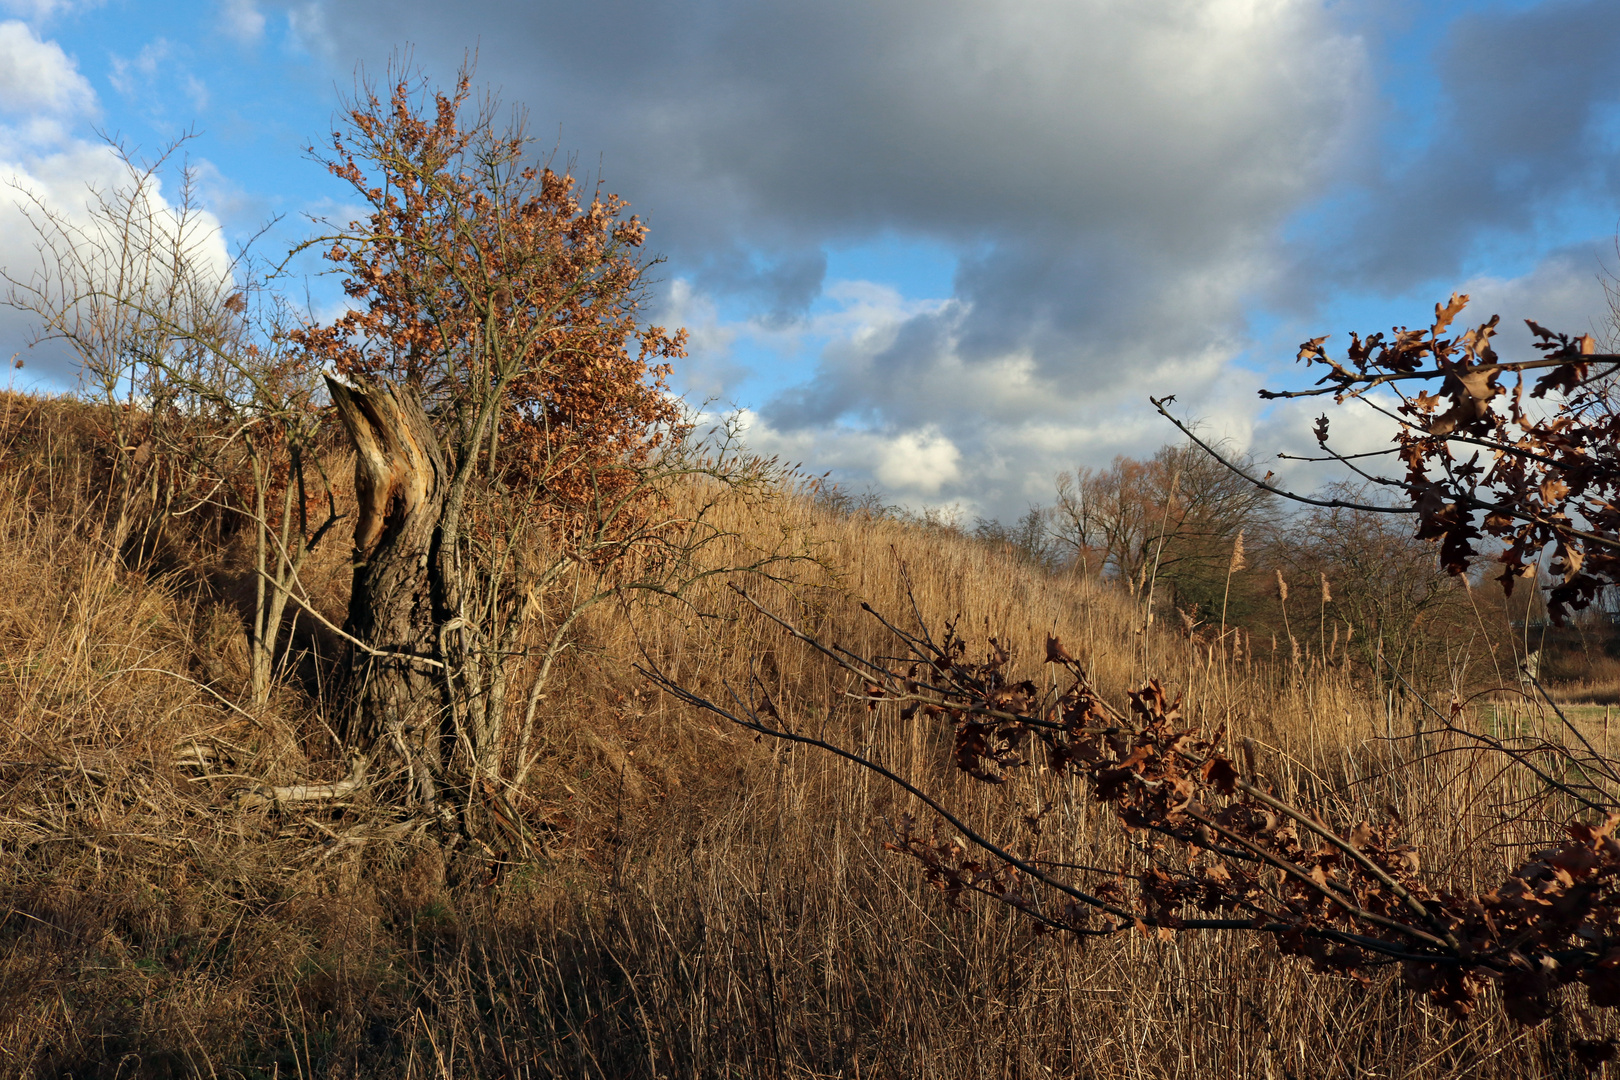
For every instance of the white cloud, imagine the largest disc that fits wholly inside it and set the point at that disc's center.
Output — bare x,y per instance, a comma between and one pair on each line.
37,76
921,461
196,92
1018,408
709,369
985,433
1563,292
43,10
62,173
307,23
866,316
128,76
913,467
241,20
227,199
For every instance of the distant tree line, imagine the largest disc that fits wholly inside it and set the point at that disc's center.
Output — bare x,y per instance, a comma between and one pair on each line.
1239,569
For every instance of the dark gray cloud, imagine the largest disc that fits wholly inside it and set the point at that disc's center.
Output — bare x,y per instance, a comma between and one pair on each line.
751,126
1527,122
1115,179
1112,175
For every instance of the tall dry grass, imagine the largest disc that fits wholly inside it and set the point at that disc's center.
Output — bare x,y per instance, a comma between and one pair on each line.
705,905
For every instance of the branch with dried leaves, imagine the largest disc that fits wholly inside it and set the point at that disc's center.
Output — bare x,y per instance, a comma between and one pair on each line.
1227,852
1482,463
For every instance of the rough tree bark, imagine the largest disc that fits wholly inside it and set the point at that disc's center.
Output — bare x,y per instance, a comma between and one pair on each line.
394,688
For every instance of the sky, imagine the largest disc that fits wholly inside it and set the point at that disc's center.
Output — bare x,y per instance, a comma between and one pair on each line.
943,250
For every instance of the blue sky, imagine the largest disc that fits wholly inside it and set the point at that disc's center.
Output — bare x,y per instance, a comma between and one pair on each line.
946,249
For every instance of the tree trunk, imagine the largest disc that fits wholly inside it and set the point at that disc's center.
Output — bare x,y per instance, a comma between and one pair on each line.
395,691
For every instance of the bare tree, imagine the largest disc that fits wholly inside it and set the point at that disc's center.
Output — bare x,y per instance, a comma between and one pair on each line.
1387,593
187,352
1169,519
518,457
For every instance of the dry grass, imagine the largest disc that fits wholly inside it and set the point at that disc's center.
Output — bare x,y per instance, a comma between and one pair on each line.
708,906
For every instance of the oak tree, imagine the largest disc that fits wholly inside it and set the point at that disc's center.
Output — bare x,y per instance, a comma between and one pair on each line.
515,442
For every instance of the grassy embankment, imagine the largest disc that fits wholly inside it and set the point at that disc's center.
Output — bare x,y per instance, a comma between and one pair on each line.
706,905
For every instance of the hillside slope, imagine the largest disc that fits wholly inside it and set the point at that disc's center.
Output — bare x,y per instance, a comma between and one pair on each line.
700,904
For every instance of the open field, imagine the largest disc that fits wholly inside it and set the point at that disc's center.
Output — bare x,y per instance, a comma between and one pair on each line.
702,904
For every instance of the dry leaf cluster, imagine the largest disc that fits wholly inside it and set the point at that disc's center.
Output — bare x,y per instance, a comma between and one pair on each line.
1489,469
1225,851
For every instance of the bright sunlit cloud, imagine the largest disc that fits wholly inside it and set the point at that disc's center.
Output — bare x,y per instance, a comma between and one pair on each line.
37,77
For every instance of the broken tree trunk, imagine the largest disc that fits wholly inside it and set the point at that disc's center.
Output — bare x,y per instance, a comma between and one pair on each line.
394,686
